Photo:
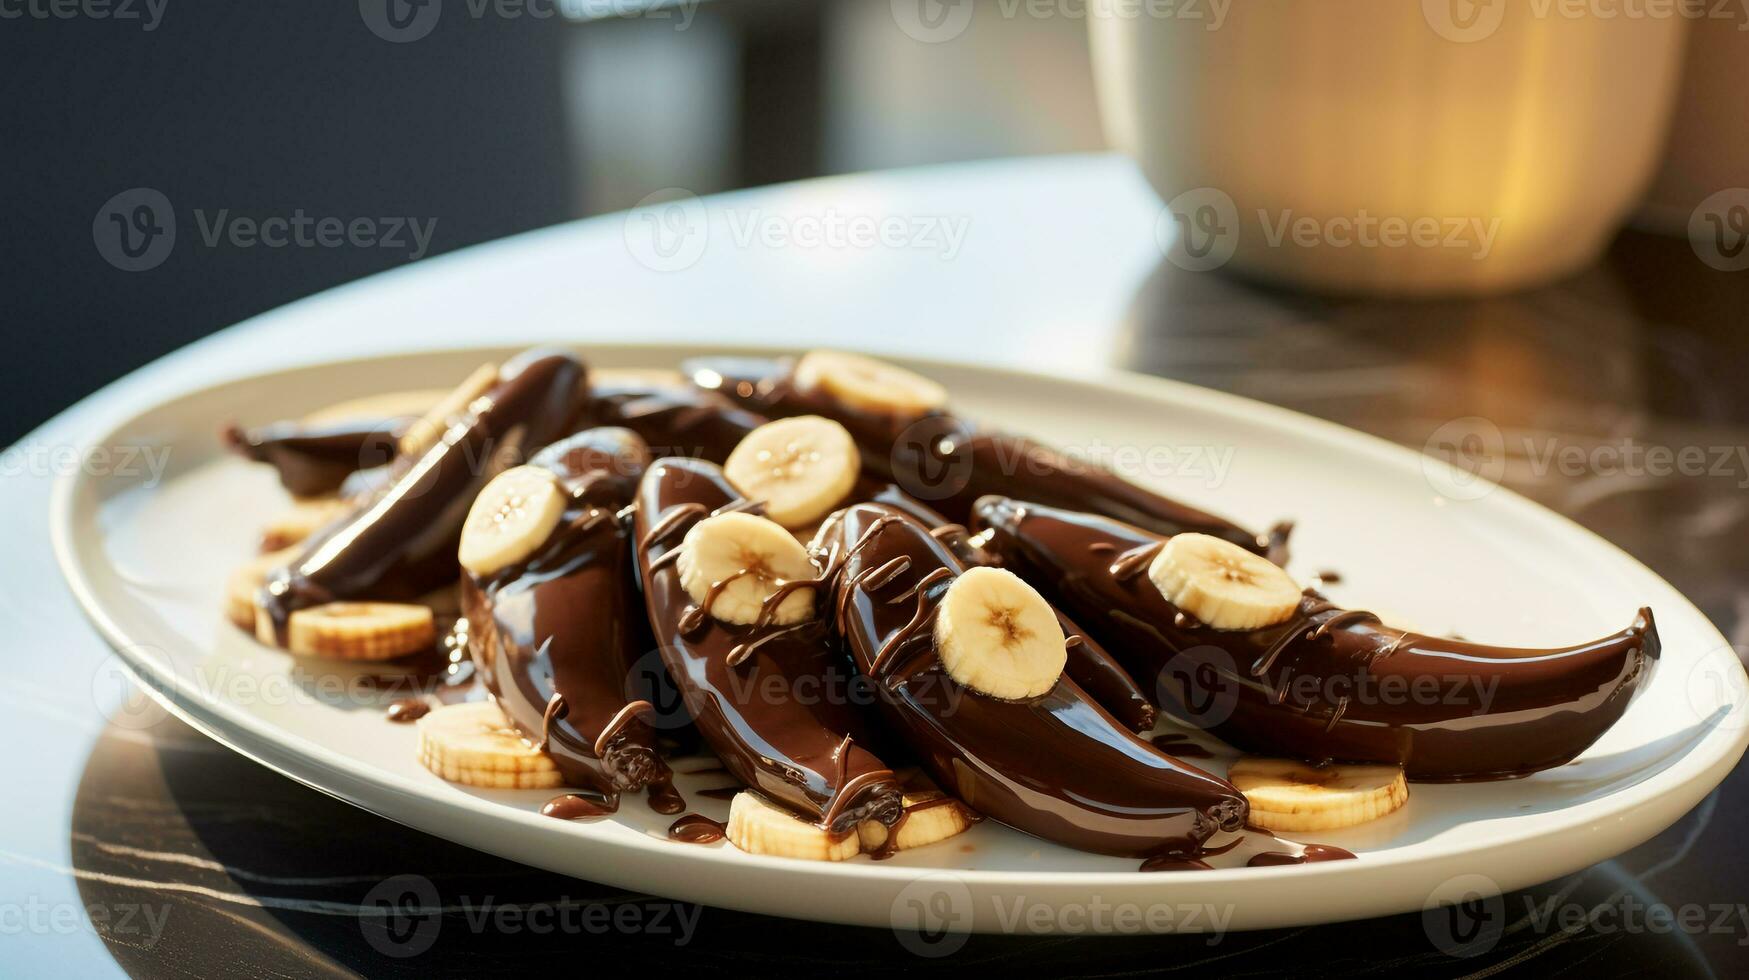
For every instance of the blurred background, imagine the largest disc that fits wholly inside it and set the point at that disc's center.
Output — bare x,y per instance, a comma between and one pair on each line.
483,118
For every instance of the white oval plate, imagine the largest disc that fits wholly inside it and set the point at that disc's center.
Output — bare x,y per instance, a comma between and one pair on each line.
147,560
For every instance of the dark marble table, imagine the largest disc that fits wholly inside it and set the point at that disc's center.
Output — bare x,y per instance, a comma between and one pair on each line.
132,843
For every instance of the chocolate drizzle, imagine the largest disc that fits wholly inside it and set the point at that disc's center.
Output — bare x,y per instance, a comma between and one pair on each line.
573,806
957,461
1058,766
401,543
1333,683
696,829
772,700
315,459
556,635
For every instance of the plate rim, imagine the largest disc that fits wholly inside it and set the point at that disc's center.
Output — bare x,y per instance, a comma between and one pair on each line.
1688,778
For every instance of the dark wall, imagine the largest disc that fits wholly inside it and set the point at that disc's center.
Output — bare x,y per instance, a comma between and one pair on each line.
258,109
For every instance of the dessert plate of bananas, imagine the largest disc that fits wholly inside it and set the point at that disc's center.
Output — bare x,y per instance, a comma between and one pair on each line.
901,644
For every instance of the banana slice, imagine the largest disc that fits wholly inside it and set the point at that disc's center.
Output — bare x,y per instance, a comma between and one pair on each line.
241,586
996,634
930,817
472,744
306,516
731,563
1222,584
354,630
653,377
1294,796
408,405
867,384
800,468
512,516
423,434
759,826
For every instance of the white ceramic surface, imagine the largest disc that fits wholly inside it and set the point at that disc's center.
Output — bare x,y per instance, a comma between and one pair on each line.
146,559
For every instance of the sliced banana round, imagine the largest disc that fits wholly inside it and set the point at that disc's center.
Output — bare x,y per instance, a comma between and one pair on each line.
1294,796
431,426
306,516
930,816
243,583
867,384
800,468
759,826
731,563
474,745
354,630
512,516
1222,584
994,633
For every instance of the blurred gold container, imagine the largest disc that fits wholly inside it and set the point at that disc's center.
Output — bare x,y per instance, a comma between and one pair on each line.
1389,146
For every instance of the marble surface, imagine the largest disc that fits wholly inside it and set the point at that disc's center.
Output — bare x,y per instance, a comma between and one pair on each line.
134,844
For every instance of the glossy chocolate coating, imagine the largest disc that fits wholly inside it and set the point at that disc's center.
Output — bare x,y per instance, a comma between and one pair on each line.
1329,683
780,718
568,622
313,460
402,542
949,462
673,419
1058,766
1087,662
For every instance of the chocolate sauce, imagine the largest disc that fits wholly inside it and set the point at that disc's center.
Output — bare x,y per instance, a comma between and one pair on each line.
665,799
1303,854
777,718
407,710
573,806
402,543
674,419
1332,683
1180,746
720,793
315,459
950,462
1329,577
1058,766
695,829
556,635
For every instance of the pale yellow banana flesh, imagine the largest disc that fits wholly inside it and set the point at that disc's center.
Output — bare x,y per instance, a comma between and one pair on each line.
930,817
735,561
511,518
758,826
474,745
799,468
1221,584
996,634
424,433
1292,796
868,384
304,518
354,630
240,588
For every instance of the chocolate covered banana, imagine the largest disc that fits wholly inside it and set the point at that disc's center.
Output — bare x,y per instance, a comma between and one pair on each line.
907,435
401,542
733,600
674,418
1282,673
969,664
555,624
